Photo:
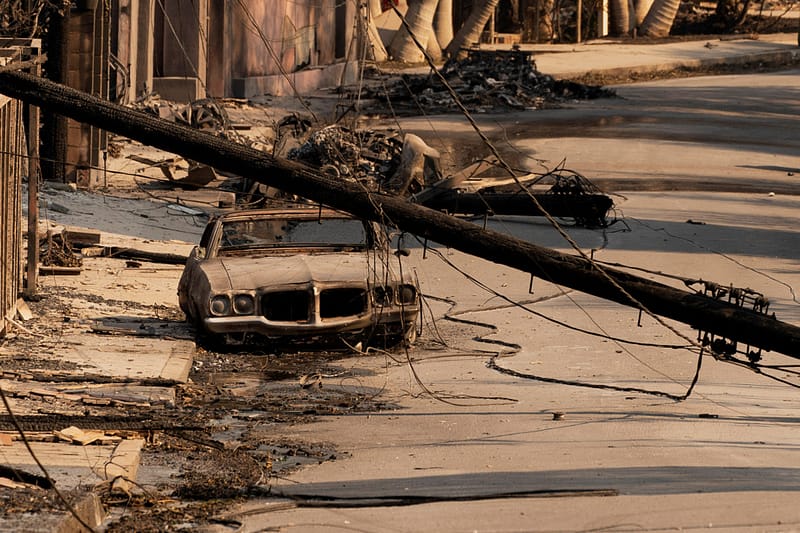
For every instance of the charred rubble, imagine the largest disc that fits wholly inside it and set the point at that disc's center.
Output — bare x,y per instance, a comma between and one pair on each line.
486,80
205,114
408,167
404,165
365,156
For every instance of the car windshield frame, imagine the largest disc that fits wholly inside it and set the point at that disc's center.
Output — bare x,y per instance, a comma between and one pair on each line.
237,236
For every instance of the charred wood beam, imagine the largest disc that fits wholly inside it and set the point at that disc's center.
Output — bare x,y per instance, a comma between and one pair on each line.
120,252
127,421
575,272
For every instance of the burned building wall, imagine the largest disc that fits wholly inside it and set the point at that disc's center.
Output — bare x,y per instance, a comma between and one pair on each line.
247,47
19,156
181,50
294,39
89,33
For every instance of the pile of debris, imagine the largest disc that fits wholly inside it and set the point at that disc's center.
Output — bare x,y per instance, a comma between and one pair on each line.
485,81
56,251
368,157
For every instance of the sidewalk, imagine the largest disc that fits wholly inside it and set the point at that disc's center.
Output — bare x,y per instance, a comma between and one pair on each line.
609,57
111,356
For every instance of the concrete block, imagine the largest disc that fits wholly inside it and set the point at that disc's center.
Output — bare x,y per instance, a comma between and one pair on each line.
178,89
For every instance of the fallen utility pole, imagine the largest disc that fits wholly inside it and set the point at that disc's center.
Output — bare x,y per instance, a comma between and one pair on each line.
698,311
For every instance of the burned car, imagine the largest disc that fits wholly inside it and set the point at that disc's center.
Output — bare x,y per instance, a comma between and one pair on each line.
297,276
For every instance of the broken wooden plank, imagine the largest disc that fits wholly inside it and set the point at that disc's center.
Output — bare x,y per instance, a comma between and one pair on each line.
124,394
59,270
78,237
198,176
9,484
203,198
78,436
23,311
123,466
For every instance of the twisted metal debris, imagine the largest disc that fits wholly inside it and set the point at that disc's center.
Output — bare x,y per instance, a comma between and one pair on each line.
367,157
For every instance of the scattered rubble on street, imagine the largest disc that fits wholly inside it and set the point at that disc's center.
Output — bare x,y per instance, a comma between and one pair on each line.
100,373
484,81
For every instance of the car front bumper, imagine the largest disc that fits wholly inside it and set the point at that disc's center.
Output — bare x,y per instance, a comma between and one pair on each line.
389,320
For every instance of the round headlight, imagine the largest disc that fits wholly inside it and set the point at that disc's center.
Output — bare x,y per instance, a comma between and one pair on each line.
407,294
220,305
383,295
244,304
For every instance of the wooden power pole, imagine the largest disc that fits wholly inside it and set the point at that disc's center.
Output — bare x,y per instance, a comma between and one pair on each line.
704,313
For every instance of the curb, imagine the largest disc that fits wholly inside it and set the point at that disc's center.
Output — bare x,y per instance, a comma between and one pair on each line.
778,57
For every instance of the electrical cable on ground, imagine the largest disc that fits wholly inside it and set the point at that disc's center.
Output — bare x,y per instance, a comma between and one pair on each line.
524,307
512,174
435,395
721,254
492,362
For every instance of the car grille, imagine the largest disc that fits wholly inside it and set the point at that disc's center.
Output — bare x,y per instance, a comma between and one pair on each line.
342,302
286,306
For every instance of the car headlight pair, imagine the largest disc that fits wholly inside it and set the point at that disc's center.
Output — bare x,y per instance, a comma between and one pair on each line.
406,294
241,304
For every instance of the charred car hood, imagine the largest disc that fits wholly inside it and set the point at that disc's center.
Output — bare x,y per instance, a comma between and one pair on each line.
247,273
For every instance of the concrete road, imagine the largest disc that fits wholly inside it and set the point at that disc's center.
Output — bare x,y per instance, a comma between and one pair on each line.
462,447
729,133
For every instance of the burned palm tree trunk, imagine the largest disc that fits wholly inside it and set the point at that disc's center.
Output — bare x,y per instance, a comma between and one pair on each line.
660,18
420,28
586,209
471,31
715,316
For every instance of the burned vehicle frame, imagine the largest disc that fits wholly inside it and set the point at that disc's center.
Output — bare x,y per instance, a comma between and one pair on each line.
296,277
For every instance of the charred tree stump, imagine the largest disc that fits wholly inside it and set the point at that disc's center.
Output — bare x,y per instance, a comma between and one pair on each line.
696,310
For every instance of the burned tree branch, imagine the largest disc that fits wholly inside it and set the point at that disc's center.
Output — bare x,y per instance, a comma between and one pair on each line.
580,274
